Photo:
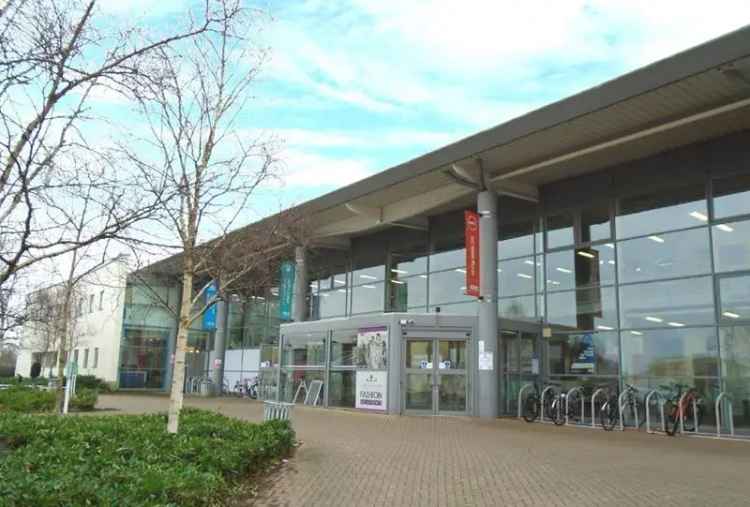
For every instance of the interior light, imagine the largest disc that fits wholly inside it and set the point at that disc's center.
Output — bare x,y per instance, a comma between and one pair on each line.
530,263
611,262
499,270
368,277
610,245
725,228
553,282
676,324
699,216
398,282
422,276
368,286
342,290
324,294
400,271
637,333
654,319
524,275
731,315
601,262
656,238
460,270
340,282
605,328
586,254
564,270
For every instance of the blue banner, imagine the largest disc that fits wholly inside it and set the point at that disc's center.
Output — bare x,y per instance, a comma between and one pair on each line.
286,290
209,316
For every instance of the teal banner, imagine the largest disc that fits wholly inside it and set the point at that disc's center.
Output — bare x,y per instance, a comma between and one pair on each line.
286,290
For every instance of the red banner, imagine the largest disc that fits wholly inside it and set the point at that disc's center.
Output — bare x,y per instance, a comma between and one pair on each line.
471,230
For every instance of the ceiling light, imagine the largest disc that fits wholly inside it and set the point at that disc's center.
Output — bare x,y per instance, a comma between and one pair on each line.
341,282
586,254
530,263
460,270
676,324
499,270
368,286
731,315
368,277
524,275
654,319
324,294
699,216
553,282
610,245
398,282
400,271
656,238
342,290
725,228
637,333
604,328
422,276
563,270
611,262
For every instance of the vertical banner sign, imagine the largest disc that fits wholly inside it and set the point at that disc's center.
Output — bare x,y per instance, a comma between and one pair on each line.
471,231
372,378
286,290
209,316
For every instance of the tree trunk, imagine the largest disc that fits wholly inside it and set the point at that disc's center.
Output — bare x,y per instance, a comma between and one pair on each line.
62,340
178,373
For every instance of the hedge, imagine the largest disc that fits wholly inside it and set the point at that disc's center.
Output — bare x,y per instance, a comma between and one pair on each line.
131,460
26,400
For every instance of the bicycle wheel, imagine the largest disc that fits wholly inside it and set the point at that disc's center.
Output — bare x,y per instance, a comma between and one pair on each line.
531,409
690,419
670,414
558,412
608,416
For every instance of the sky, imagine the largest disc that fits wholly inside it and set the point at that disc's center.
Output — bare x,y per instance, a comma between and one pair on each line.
354,87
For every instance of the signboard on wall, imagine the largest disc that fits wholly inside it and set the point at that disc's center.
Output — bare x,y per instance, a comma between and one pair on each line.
209,316
372,348
585,360
372,390
471,232
286,290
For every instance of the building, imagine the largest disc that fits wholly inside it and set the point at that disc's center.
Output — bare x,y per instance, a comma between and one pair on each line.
614,247
95,324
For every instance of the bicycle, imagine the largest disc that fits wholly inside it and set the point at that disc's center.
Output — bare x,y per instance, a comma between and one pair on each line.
609,413
532,407
678,409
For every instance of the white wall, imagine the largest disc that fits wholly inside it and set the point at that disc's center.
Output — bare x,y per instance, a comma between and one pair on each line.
240,364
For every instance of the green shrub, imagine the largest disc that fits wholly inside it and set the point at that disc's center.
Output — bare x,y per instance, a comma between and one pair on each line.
26,381
26,400
85,399
92,382
131,460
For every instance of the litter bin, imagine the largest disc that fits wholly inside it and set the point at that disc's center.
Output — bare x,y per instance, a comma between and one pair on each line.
206,388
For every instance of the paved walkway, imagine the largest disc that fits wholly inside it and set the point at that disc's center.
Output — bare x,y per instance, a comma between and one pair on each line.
352,459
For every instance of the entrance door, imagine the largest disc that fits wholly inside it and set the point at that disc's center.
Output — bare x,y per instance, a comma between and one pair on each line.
521,365
435,380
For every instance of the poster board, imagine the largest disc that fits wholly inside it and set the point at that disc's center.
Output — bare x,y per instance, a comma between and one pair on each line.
372,390
372,375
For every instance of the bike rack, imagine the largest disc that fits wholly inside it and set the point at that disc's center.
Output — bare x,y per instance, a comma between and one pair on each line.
541,401
593,405
621,405
660,401
567,404
520,399
680,414
723,397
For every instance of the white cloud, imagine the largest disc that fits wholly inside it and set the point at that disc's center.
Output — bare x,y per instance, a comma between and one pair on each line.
309,169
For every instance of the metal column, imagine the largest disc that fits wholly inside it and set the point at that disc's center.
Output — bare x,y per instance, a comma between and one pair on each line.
487,339
220,347
300,285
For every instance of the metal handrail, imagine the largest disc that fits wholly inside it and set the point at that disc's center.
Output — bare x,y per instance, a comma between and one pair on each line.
621,406
541,401
567,404
680,413
593,405
520,398
723,396
660,401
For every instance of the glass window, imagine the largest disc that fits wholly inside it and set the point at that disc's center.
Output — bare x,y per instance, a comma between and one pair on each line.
670,255
448,286
419,354
731,196
670,352
96,358
269,355
584,309
595,224
732,246
662,210
339,280
408,293
516,277
342,389
332,303
368,275
291,380
587,354
560,230
448,259
468,308
735,351
452,354
520,307
581,267
404,265
368,298
304,350
344,348
85,358
735,298
516,240
675,303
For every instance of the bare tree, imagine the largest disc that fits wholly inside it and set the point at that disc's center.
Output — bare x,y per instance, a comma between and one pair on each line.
54,55
199,153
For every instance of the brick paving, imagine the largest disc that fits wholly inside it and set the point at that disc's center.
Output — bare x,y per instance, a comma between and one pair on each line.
351,459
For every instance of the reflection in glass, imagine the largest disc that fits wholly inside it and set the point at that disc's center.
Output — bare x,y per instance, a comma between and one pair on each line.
516,240
342,389
660,210
520,307
560,230
675,303
368,275
595,224
584,354
735,351
670,255
405,265
735,298
470,308
332,303
581,267
516,277
406,293
584,309
419,354
304,350
291,380
344,348
731,196
448,287
452,393
368,298
452,354
732,246
670,352
448,259
418,395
